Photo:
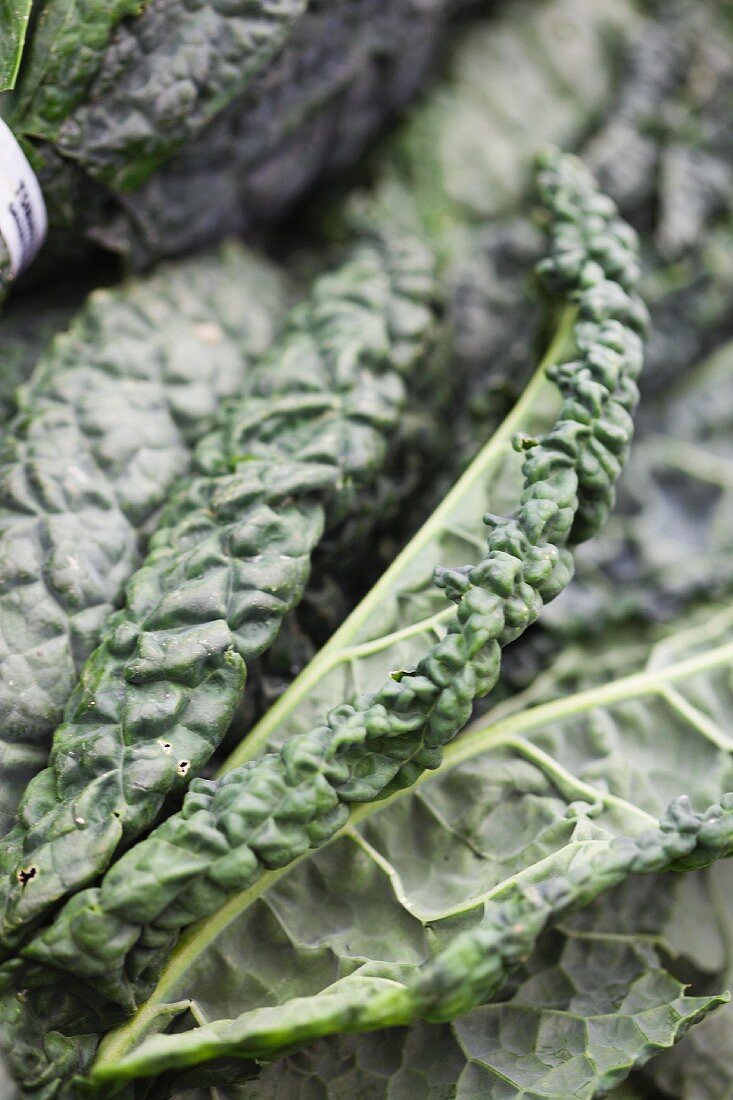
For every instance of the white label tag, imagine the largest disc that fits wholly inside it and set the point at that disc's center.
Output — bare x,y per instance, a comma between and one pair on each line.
22,209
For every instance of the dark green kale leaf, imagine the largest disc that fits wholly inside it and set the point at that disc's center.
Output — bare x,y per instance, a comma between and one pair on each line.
104,430
157,125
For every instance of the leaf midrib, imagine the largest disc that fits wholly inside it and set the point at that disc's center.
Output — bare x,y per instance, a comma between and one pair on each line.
340,647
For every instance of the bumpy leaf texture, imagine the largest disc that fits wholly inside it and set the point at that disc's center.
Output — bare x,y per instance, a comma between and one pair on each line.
516,827
263,164
170,880
670,540
434,1038
104,430
591,82
594,750
485,265
649,572
677,488
147,84
308,432
583,1012
61,56
688,282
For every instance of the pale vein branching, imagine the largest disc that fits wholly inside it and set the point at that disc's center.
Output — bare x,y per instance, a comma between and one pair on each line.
270,811
466,973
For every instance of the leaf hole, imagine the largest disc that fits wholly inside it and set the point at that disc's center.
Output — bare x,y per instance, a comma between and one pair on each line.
26,874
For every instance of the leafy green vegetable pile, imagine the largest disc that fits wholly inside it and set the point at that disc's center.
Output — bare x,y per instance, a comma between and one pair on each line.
365,612
155,126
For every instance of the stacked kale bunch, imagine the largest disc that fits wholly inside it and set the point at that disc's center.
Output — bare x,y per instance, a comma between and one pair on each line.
366,615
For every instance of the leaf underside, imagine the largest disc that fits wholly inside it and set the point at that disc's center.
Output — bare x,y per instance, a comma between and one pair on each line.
595,750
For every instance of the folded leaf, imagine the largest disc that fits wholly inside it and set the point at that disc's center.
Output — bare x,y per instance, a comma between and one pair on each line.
104,430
